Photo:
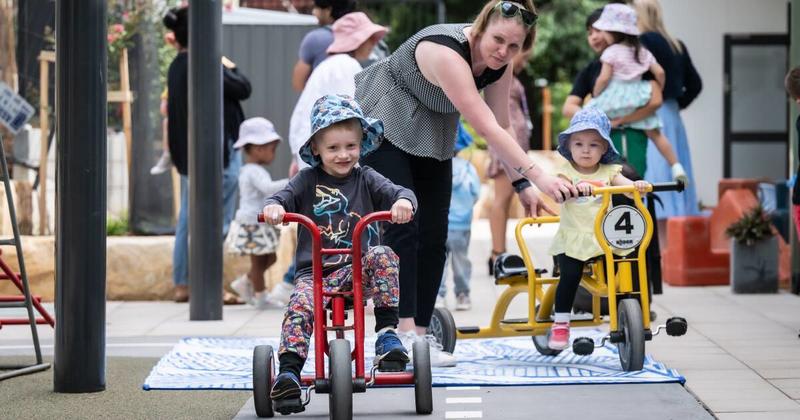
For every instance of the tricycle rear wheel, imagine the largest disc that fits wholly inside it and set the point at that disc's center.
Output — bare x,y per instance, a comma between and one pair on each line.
443,328
263,378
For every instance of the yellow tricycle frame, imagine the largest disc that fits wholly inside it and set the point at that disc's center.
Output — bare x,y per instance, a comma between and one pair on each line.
609,273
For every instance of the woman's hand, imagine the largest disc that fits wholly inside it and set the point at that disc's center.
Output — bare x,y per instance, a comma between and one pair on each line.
402,211
556,187
533,205
641,186
273,214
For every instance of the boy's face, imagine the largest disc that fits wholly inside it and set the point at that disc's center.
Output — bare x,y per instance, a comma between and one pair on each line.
587,148
339,148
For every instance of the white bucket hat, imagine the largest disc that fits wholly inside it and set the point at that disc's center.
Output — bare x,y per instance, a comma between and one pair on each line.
617,18
256,131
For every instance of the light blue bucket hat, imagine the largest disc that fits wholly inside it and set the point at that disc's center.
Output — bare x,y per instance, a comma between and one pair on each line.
331,109
589,118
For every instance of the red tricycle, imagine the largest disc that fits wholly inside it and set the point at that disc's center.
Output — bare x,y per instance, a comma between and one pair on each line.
340,382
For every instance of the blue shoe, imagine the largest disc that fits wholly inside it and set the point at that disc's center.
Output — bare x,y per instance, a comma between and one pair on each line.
390,355
286,394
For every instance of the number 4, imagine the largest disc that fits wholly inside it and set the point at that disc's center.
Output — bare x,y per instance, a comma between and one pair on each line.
624,223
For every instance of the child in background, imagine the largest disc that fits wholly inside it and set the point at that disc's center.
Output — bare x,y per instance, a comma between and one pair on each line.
587,146
466,187
792,83
258,138
335,194
619,89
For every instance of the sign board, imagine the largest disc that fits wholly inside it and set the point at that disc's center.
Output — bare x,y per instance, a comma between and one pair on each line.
624,227
14,110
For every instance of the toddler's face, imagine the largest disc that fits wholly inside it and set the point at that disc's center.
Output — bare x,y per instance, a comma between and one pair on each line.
265,153
339,148
587,147
596,40
607,37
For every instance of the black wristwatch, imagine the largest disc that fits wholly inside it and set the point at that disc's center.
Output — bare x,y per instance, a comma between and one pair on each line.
520,184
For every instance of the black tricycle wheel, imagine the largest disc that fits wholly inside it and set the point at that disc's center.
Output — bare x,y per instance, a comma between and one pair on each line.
340,399
423,391
629,322
263,378
540,341
443,328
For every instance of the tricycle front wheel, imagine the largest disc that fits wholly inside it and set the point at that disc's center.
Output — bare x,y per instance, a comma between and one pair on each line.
629,322
340,399
263,378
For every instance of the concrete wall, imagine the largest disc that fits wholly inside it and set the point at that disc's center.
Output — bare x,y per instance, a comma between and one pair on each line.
702,24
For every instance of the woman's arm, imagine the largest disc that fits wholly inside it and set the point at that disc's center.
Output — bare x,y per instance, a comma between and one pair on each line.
656,98
658,73
300,75
602,80
571,106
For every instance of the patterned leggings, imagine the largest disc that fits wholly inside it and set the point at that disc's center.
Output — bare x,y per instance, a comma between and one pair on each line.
380,271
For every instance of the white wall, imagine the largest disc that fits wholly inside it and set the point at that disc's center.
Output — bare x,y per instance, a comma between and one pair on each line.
702,24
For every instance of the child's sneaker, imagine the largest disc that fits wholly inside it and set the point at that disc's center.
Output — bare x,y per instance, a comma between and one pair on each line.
243,287
558,337
390,354
281,293
462,302
163,164
286,394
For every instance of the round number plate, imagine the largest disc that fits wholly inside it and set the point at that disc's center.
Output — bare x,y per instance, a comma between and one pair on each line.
623,227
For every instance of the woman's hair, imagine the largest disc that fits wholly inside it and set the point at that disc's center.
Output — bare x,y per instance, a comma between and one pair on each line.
177,21
338,8
649,17
792,83
631,41
593,17
489,12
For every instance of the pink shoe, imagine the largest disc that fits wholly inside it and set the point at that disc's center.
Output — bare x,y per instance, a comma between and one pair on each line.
558,337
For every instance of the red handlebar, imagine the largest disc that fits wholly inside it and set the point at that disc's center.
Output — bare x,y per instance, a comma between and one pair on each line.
378,216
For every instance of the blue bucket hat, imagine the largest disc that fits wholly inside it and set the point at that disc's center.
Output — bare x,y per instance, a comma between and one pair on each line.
331,109
589,118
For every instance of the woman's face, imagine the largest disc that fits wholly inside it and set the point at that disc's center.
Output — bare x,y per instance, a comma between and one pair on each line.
323,15
597,40
501,42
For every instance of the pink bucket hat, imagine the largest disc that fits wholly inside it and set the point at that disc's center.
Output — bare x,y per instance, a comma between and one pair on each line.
352,30
618,18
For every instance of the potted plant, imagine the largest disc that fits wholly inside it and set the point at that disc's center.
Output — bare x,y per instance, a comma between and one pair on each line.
754,253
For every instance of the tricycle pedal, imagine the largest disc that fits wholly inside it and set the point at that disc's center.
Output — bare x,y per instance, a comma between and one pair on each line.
289,406
583,346
676,326
391,366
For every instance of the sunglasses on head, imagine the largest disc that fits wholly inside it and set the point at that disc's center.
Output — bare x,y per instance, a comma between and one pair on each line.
510,10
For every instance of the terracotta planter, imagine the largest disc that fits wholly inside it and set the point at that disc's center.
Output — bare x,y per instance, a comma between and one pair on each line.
754,269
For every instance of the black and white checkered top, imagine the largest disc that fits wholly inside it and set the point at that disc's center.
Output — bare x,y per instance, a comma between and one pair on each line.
418,117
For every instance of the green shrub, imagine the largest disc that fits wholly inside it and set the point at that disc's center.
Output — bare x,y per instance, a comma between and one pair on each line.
117,225
752,227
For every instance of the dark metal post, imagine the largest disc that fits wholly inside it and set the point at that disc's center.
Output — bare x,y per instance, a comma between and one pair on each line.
80,196
441,11
205,160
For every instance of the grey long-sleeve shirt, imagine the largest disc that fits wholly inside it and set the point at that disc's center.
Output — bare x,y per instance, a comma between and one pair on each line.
336,205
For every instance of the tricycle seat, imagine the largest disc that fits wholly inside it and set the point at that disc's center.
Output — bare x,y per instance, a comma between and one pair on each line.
510,267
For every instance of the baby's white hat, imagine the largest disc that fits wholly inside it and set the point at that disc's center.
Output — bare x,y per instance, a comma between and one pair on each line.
256,131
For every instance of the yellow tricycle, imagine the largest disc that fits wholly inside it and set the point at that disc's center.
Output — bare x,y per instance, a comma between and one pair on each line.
621,227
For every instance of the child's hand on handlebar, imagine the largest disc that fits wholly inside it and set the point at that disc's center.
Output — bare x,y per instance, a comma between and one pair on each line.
402,211
273,214
585,188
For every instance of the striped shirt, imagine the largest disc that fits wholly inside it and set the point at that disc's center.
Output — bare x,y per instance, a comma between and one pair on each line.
622,60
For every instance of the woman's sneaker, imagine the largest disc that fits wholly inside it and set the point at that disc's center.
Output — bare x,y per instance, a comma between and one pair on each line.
462,302
390,354
281,293
286,394
439,357
558,336
243,287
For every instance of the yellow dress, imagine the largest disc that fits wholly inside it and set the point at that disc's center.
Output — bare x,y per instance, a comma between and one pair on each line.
575,236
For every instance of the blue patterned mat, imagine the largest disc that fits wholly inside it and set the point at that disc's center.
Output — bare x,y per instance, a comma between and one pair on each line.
226,363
